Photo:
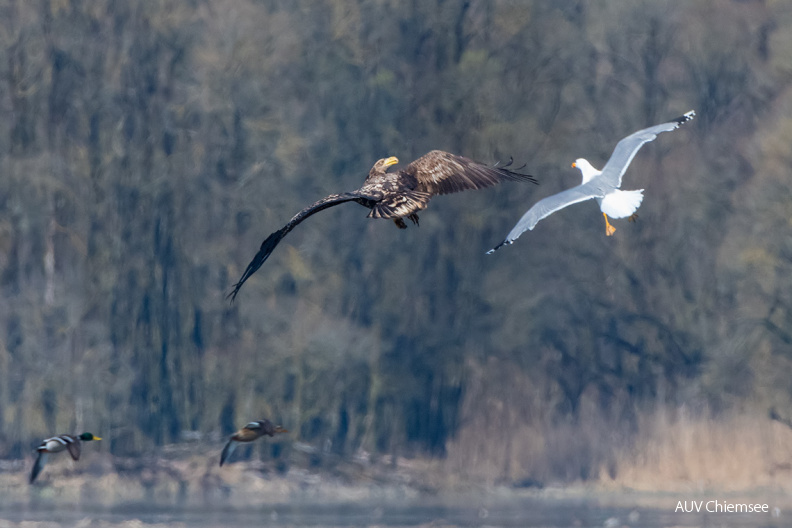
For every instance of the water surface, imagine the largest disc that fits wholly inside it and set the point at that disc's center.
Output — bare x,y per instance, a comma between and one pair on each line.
528,513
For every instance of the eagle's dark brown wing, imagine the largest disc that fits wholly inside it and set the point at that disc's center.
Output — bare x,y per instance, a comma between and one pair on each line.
274,239
441,172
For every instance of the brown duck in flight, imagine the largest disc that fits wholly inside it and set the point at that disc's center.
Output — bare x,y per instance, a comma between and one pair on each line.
397,195
250,432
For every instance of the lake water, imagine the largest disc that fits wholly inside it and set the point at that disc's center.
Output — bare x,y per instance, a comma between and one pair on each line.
526,513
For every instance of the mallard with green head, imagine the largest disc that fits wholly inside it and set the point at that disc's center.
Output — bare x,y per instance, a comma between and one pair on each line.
56,444
250,432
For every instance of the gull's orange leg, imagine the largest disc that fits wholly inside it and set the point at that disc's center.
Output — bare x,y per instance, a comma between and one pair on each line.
609,229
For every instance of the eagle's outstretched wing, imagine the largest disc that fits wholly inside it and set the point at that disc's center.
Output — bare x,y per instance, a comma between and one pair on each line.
440,172
274,239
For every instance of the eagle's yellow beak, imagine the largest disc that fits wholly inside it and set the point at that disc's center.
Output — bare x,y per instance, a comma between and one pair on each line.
393,160
574,165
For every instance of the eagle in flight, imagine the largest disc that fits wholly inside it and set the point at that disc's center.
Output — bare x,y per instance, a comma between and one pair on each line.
397,195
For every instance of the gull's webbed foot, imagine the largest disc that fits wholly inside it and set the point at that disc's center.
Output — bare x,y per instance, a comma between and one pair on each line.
609,229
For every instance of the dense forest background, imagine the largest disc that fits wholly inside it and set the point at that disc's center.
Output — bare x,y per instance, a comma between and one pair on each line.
148,147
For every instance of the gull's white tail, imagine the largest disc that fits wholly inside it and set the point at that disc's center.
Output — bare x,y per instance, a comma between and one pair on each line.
620,204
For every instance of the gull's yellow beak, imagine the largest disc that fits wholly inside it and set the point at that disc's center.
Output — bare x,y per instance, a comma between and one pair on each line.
574,165
393,160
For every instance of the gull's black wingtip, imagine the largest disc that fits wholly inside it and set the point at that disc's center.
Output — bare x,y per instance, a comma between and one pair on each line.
496,248
687,116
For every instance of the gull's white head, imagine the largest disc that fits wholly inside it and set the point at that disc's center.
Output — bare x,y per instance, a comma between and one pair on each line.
586,169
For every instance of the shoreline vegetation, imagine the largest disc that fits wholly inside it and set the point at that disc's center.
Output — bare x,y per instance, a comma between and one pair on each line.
740,456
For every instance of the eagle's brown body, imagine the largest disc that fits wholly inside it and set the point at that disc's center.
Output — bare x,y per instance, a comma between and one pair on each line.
397,195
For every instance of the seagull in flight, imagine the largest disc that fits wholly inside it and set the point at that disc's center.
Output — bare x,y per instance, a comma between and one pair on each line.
602,185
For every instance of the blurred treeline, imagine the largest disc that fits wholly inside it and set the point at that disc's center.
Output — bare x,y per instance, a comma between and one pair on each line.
148,147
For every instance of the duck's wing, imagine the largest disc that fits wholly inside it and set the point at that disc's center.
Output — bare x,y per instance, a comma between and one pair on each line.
73,446
274,239
41,461
626,149
227,450
258,424
547,206
440,172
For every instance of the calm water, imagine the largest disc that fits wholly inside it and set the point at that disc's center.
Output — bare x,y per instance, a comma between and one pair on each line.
527,513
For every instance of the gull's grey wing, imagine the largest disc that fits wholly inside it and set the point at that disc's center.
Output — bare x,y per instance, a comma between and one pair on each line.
626,149
547,206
